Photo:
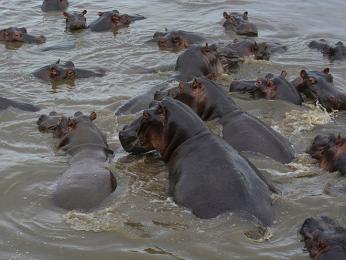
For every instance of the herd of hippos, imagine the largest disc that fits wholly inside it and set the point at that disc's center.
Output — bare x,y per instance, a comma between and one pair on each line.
172,124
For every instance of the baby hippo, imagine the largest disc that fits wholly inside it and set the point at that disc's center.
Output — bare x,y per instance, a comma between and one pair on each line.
75,20
239,23
54,5
64,72
336,52
330,151
324,239
16,34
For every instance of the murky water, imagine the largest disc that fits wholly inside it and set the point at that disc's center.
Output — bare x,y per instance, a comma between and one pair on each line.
138,221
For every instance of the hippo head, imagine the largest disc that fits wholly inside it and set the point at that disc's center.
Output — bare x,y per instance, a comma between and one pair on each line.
321,145
54,123
337,52
323,238
75,20
172,41
260,51
318,85
115,18
15,34
59,71
267,87
239,23
54,5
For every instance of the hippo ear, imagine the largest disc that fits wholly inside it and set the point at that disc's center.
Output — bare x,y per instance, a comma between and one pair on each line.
303,74
271,84
92,116
166,30
67,15
326,70
205,49
58,61
53,113
22,29
284,73
245,15
161,109
69,64
226,15
84,12
99,13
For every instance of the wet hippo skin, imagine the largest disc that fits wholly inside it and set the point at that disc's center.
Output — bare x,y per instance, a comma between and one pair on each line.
319,86
86,182
336,52
75,20
324,239
19,34
206,174
269,87
54,5
5,103
239,23
330,151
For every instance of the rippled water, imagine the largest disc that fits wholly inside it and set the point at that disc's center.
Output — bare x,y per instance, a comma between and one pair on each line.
138,221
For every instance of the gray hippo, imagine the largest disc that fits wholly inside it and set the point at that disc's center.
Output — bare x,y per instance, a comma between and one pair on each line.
319,86
336,52
239,23
330,151
54,5
324,239
5,103
269,87
20,35
86,182
206,175
75,20
112,20
58,72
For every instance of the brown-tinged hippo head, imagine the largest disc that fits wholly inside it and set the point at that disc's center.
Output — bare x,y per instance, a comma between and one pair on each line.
336,52
54,5
75,20
54,123
239,23
57,72
16,34
324,239
176,40
167,124
319,86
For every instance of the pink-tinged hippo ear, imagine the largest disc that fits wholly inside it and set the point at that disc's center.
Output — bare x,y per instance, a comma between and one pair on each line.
67,15
245,15
303,74
99,13
161,110
84,12
326,70
284,73
181,86
271,84
226,15
92,116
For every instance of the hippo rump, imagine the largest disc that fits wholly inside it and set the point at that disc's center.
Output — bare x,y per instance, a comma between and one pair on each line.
86,182
319,86
75,20
5,103
336,52
239,23
195,61
206,175
324,239
20,34
112,20
269,87
176,40
64,72
54,5
330,151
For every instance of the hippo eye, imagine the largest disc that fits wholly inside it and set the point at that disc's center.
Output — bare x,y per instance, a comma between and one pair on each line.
70,73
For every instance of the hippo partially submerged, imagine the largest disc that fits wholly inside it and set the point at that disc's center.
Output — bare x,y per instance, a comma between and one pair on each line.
239,23
112,20
75,20
319,86
336,52
20,35
58,72
324,239
5,103
54,5
206,174
86,182
269,87
330,151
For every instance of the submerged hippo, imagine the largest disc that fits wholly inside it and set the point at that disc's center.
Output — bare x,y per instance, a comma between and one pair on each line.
330,151
177,40
5,103
54,5
20,34
239,23
64,72
269,87
336,52
319,86
206,175
75,20
324,239
86,182
112,20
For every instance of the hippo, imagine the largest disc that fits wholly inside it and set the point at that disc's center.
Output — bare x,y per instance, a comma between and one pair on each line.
336,52
269,87
20,34
330,151
86,182
112,20
75,20
319,86
239,23
324,239
5,103
64,72
54,5
208,183
177,40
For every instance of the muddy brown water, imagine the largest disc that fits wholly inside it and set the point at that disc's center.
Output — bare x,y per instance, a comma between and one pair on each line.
139,221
